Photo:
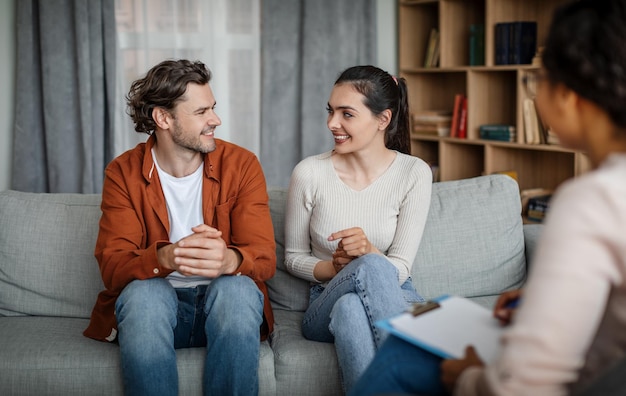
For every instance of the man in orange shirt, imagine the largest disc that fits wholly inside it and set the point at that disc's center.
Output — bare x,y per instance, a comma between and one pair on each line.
185,242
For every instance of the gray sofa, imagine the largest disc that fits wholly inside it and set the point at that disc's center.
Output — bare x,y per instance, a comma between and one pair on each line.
474,245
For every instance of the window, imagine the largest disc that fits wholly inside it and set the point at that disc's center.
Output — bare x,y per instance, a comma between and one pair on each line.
224,34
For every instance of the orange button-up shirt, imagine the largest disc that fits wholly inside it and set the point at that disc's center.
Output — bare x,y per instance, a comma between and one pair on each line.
134,224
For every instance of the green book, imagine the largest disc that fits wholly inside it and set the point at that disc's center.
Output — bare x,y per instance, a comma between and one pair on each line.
477,45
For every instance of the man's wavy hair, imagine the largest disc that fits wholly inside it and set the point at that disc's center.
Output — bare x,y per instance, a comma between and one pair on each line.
163,86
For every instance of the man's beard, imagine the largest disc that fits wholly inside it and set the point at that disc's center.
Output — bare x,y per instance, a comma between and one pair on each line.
187,141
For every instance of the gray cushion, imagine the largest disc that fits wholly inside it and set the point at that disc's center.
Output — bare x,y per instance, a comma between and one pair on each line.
54,352
301,363
47,264
285,290
532,234
473,246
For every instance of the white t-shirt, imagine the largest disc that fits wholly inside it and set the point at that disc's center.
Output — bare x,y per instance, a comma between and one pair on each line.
183,197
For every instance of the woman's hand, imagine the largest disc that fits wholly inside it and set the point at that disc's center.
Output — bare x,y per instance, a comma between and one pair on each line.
341,258
451,369
506,305
354,242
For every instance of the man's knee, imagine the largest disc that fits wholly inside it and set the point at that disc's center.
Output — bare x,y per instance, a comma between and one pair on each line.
146,297
230,297
234,290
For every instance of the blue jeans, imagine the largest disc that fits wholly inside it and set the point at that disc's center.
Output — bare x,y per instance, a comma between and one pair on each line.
154,319
401,368
345,311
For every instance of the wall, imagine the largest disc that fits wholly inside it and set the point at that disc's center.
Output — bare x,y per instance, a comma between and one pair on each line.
7,88
386,47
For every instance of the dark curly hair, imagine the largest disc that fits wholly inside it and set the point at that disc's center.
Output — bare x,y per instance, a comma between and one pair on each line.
163,86
382,91
586,51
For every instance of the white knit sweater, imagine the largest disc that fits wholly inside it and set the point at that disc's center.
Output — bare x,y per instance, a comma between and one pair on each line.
391,211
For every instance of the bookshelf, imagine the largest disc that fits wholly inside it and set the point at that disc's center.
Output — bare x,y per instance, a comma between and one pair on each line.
495,93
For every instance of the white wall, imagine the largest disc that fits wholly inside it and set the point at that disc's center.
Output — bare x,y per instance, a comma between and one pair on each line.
386,53
7,89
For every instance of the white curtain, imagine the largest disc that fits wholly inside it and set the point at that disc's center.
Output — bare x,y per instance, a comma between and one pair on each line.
224,34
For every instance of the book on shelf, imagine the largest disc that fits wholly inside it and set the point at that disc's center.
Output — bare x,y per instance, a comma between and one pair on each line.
434,62
523,41
551,137
534,130
515,42
502,43
432,122
501,132
456,114
543,128
431,57
539,197
477,45
537,58
546,134
538,207
510,173
462,133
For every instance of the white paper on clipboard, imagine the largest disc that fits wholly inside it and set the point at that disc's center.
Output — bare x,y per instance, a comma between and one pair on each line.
446,331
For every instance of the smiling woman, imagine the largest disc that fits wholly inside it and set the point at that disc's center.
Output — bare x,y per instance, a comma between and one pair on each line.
353,216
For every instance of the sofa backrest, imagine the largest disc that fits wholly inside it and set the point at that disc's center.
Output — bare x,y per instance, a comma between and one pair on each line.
47,263
473,246
473,243
286,291
47,266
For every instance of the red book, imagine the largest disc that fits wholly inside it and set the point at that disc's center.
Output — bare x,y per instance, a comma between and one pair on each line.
462,132
456,115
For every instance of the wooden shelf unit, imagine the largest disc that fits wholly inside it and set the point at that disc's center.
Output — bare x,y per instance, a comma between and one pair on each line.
494,92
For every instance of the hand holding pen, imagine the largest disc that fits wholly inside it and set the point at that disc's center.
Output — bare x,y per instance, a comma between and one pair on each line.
506,305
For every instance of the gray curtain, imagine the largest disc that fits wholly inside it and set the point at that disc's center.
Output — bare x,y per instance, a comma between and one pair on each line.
305,45
64,95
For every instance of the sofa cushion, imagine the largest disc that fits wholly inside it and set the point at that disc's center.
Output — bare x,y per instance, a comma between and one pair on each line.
300,363
285,290
50,356
47,264
473,243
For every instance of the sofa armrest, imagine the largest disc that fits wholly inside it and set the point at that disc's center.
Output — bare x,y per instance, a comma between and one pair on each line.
532,233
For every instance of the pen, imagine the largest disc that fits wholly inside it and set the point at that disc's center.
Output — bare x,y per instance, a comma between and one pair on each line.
512,304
